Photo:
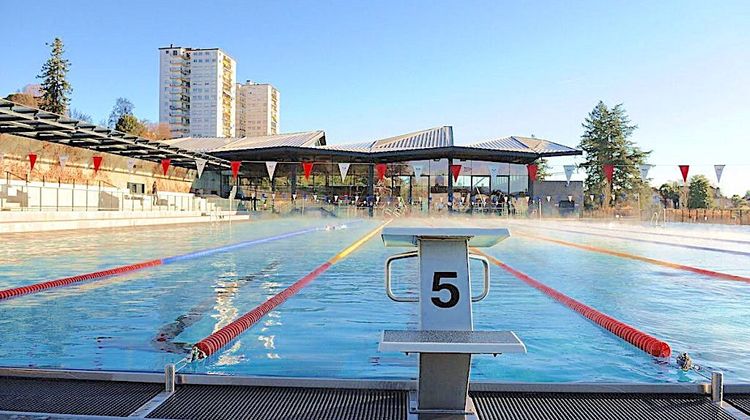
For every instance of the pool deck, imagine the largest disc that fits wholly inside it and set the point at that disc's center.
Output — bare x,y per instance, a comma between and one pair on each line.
66,394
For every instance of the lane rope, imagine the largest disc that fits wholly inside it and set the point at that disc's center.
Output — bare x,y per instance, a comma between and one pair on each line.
650,241
98,275
217,340
630,334
702,271
663,234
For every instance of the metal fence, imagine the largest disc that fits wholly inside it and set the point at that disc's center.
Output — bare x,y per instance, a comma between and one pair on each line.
44,196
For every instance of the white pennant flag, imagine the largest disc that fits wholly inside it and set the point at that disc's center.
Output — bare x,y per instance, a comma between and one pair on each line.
644,171
200,164
418,171
63,160
719,170
131,164
494,170
344,169
271,168
569,169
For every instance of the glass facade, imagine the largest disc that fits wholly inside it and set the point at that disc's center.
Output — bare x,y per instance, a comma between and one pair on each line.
419,185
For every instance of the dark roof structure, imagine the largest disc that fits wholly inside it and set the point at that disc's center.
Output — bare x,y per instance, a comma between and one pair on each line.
432,143
45,126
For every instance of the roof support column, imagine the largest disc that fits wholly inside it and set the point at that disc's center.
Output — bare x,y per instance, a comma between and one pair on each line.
293,180
370,189
450,185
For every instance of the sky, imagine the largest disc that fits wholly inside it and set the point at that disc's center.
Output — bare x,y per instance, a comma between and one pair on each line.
367,70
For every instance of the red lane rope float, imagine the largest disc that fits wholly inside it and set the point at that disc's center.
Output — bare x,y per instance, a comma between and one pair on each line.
222,337
640,339
33,288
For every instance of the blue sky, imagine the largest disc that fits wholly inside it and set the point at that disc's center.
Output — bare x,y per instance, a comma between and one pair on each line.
365,70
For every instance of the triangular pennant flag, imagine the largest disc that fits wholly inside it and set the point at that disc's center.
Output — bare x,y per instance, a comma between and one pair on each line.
494,170
719,170
307,167
381,168
532,169
644,171
131,164
343,169
294,196
609,171
97,163
418,171
32,161
569,169
271,168
684,169
455,170
165,165
235,165
63,161
200,165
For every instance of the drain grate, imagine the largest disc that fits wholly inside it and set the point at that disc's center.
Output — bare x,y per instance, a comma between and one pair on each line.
271,403
741,401
609,406
67,396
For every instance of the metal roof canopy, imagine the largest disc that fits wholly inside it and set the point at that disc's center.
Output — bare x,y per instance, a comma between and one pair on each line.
430,144
45,126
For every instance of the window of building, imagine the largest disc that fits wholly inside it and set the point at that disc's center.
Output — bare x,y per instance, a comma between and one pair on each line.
136,188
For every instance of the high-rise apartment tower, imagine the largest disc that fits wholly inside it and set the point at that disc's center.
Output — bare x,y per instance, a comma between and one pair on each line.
257,110
197,91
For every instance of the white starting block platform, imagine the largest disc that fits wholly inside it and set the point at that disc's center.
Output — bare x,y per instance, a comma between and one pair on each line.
409,237
445,340
469,342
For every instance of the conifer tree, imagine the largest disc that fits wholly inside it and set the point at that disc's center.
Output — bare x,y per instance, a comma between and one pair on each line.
699,193
606,140
55,86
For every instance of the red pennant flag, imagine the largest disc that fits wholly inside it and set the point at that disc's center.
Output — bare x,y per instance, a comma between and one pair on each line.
165,165
235,168
32,161
531,169
381,168
97,163
609,171
456,170
684,169
307,167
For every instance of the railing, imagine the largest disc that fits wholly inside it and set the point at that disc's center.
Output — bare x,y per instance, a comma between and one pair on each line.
21,195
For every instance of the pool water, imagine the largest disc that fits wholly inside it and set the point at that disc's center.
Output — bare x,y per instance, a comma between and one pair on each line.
142,320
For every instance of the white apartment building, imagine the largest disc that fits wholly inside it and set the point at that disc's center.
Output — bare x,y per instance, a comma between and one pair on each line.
197,89
257,110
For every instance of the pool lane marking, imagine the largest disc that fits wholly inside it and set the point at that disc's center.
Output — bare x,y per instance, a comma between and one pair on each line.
628,333
217,340
651,241
97,275
701,271
675,235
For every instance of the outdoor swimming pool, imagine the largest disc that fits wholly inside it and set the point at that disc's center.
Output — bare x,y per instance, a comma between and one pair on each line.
142,320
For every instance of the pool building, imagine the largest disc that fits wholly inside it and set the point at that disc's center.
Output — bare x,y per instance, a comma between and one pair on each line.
52,162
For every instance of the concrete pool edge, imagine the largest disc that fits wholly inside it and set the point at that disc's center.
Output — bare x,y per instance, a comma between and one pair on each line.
394,384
